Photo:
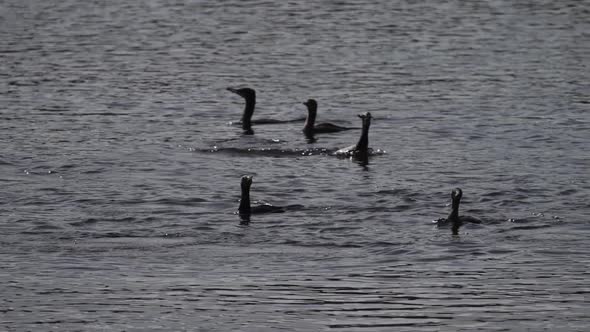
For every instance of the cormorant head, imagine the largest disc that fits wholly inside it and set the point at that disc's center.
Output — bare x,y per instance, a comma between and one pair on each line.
246,93
311,104
366,117
456,194
246,182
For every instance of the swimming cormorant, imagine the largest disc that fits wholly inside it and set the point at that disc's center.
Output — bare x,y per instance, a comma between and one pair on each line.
454,218
361,149
249,96
245,209
311,128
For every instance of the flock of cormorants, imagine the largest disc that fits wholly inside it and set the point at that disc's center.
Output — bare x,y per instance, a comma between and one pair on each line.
360,151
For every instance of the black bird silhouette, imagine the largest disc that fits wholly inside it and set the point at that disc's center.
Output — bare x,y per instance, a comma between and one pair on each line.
454,218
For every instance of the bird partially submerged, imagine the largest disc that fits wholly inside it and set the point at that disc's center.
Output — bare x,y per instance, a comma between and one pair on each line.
246,209
310,128
361,149
454,219
249,96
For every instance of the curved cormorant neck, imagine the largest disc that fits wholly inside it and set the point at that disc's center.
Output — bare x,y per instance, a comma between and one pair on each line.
310,120
248,111
454,215
363,144
245,200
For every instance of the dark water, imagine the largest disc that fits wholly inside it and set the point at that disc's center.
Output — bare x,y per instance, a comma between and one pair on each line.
120,174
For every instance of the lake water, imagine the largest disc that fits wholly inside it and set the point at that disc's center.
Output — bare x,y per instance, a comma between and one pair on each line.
121,174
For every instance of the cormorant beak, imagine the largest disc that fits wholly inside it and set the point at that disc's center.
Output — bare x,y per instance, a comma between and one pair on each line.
233,90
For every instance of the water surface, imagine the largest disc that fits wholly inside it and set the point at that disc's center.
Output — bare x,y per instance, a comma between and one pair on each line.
120,173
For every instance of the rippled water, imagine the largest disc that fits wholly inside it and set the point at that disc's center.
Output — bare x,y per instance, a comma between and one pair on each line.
120,172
